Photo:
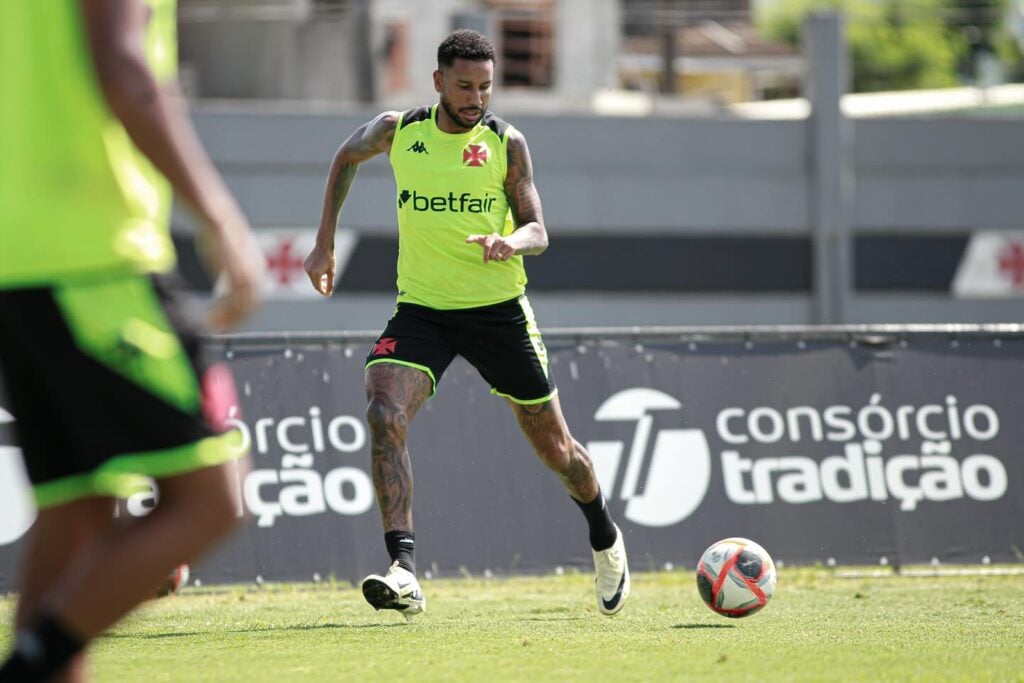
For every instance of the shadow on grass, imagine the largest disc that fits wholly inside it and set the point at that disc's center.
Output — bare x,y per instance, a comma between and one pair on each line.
252,629
691,626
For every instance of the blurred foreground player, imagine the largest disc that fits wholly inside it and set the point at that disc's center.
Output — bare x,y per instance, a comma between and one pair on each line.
102,371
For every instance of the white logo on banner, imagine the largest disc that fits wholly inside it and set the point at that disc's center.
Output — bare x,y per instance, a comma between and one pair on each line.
678,467
992,265
17,509
295,488
862,471
286,249
680,462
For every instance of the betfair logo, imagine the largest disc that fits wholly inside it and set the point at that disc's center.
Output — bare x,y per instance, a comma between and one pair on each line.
463,203
418,147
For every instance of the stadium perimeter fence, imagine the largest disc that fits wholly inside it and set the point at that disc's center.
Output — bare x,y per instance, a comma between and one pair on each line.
879,444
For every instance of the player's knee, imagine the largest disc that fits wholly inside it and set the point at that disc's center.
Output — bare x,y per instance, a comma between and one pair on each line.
386,418
555,450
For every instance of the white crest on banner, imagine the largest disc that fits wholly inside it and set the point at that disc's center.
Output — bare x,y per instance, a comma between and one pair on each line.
285,250
992,265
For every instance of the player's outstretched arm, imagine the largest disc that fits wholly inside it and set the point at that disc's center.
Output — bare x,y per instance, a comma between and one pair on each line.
530,236
157,120
370,139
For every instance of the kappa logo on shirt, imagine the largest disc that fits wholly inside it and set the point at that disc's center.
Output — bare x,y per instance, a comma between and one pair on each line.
418,147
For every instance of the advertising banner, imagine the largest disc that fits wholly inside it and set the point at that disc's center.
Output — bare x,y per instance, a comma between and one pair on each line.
892,450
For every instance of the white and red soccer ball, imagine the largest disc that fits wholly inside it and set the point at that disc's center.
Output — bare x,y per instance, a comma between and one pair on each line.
736,577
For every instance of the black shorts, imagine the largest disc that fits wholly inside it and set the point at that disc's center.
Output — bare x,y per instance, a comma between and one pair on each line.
106,388
501,341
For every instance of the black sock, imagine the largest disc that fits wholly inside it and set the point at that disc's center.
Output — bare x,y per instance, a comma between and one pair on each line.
602,529
401,547
41,650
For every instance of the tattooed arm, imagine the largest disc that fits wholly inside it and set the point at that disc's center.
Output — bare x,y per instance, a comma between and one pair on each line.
530,237
155,116
372,138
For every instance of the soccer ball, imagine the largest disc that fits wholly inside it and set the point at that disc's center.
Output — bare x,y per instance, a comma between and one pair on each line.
736,577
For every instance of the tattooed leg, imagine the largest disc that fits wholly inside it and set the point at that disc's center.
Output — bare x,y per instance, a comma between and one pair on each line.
394,394
546,430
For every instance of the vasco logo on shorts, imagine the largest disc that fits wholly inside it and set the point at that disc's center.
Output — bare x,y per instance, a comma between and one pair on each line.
678,466
453,203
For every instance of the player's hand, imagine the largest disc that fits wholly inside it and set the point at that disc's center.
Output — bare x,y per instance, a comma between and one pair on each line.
319,266
240,262
496,247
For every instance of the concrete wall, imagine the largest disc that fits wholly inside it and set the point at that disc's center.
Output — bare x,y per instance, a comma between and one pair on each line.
594,174
935,174
604,174
926,177
685,178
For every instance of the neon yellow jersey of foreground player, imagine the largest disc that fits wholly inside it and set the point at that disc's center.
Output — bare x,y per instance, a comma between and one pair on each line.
77,199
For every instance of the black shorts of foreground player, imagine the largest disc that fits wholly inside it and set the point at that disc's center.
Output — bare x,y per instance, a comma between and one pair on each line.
468,212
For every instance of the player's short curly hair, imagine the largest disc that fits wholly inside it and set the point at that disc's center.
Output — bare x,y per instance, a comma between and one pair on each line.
464,44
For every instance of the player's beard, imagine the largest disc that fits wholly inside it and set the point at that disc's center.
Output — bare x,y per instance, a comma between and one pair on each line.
454,115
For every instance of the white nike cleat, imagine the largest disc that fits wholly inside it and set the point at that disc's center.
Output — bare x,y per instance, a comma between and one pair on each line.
398,589
612,581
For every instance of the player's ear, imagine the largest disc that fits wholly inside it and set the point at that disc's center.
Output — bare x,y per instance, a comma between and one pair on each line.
438,80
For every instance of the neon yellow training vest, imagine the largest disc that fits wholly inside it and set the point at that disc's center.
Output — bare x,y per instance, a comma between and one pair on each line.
451,186
77,199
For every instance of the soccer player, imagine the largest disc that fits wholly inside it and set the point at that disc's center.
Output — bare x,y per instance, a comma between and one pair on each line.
101,368
468,212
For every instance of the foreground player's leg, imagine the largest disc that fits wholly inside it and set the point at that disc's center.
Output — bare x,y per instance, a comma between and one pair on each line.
118,570
77,525
545,428
394,394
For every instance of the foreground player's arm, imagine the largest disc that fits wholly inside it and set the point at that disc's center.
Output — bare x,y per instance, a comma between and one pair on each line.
156,119
530,236
370,139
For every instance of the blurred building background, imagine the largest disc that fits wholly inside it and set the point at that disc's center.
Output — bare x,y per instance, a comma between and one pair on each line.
700,161
565,53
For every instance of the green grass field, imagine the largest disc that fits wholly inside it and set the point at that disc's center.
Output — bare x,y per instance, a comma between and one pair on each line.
819,627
